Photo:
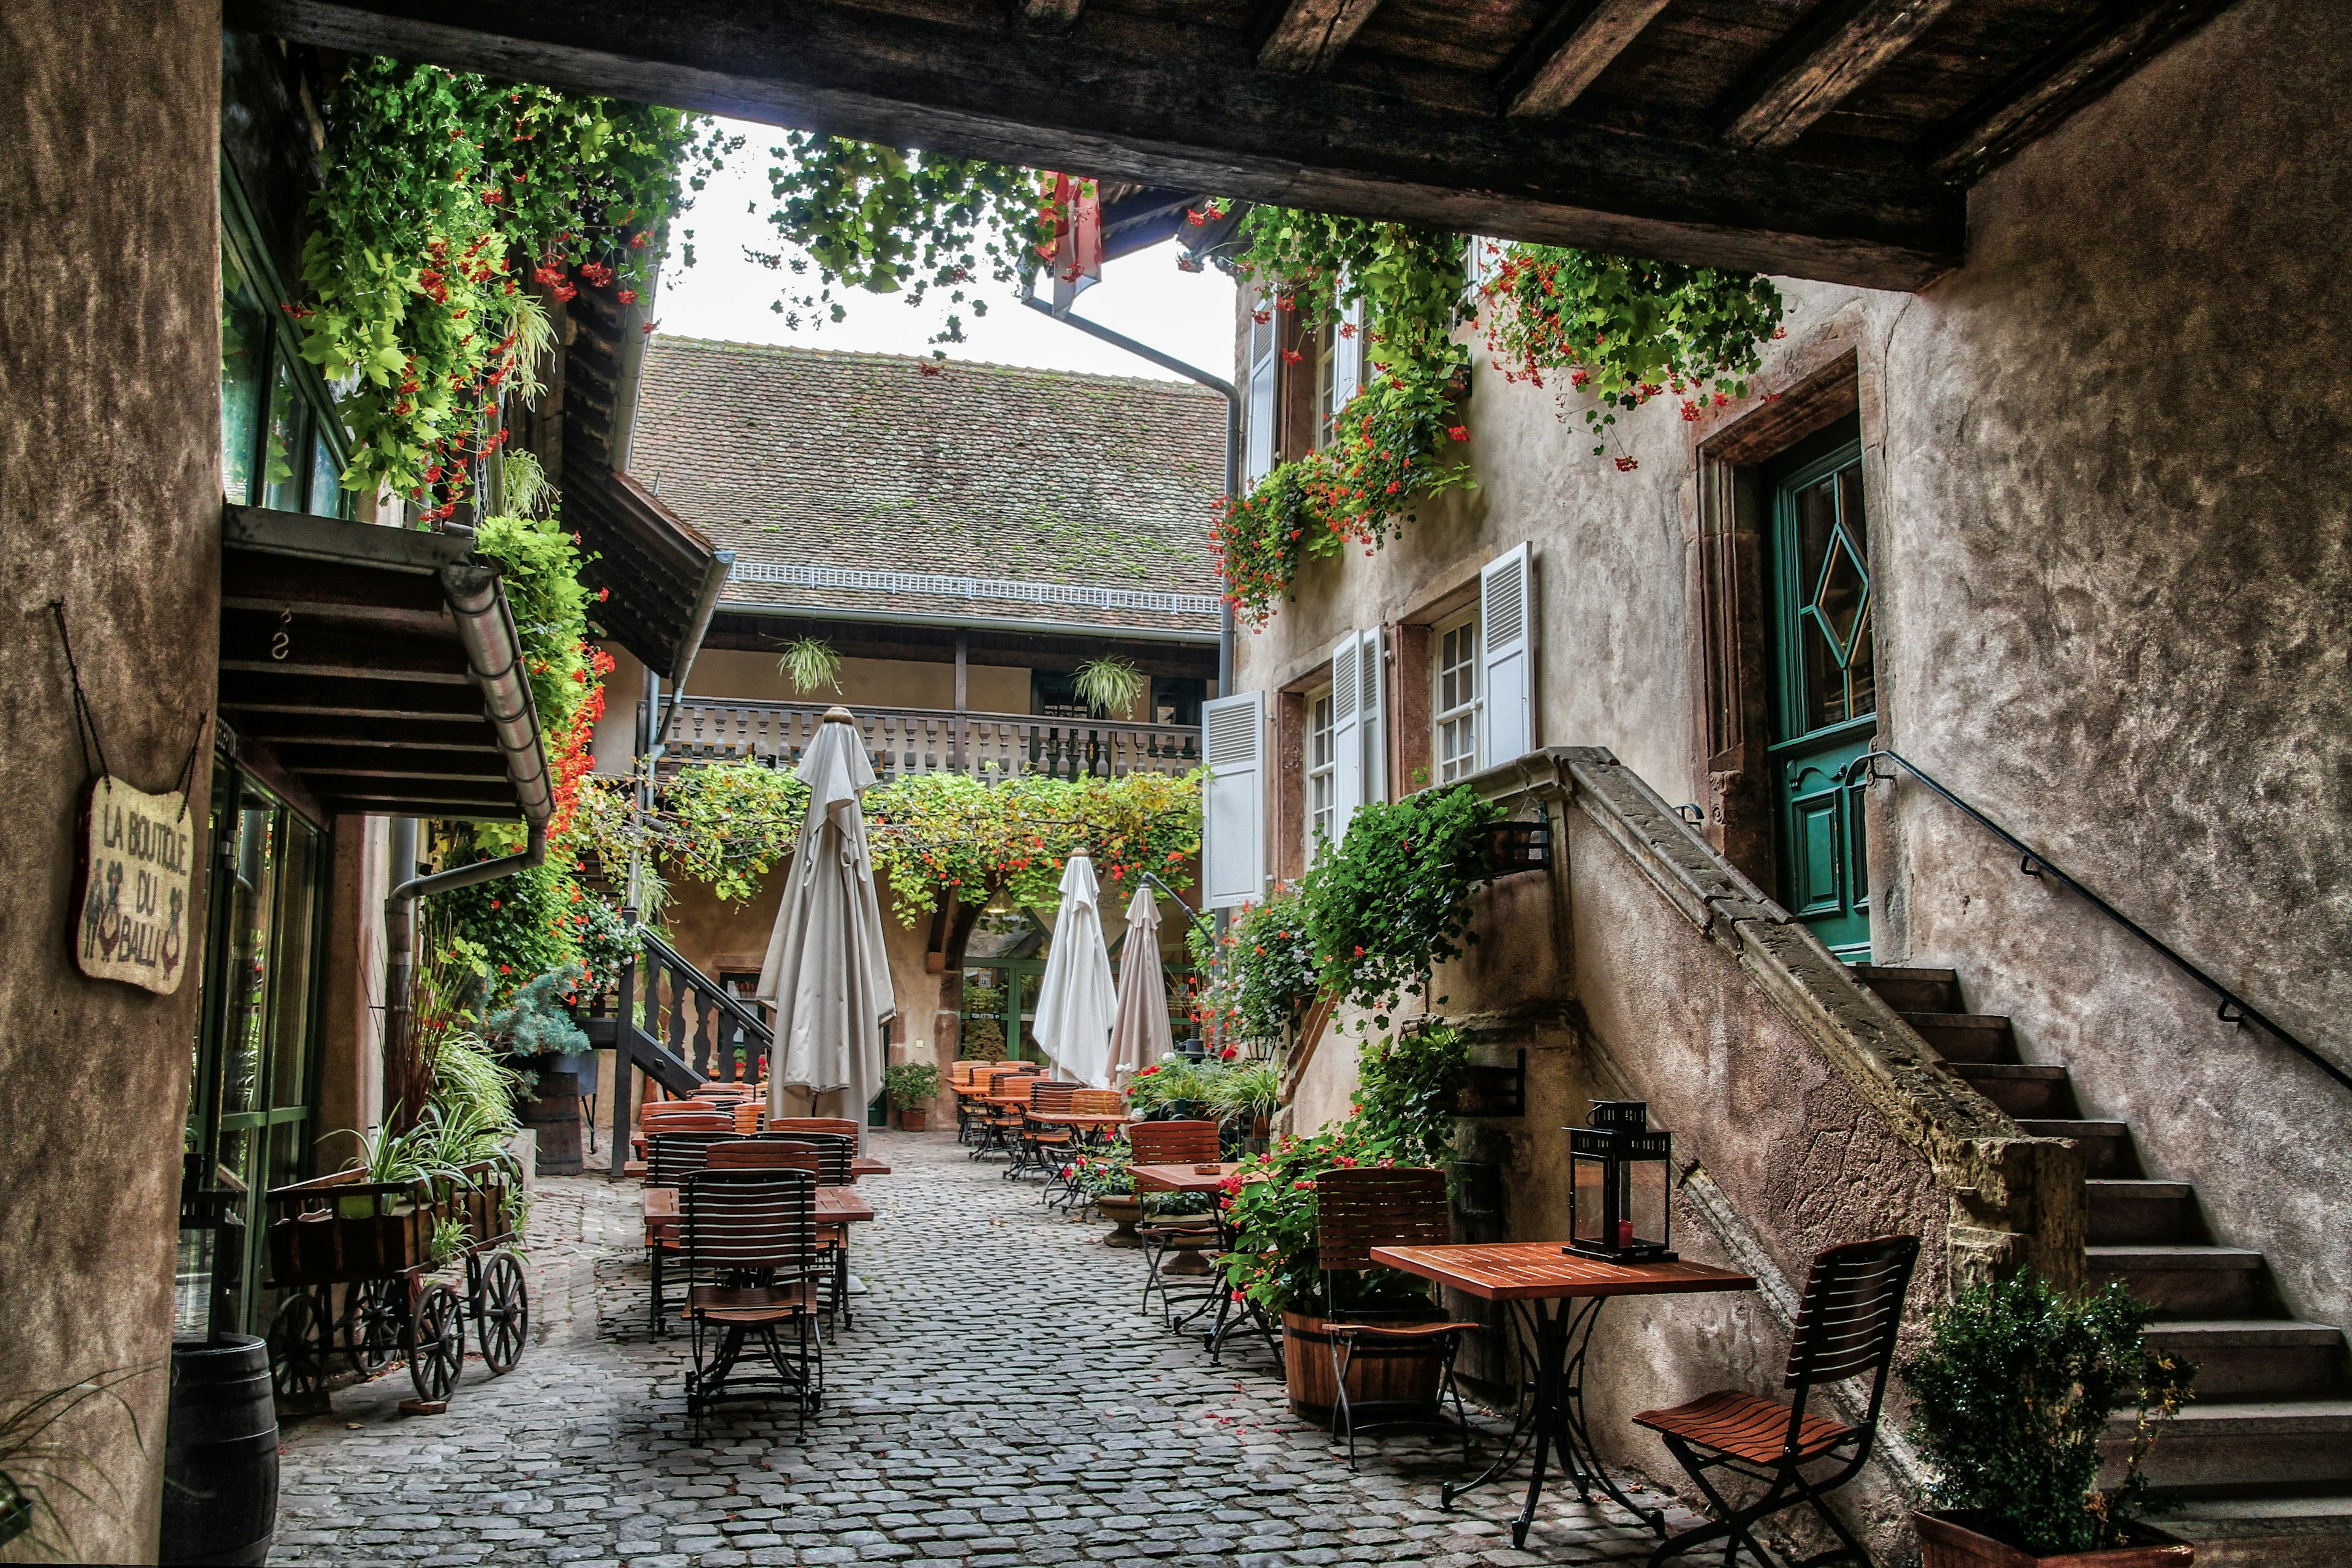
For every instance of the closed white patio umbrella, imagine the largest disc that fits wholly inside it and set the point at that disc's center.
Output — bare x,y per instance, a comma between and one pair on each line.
1076,1001
827,976
1139,1035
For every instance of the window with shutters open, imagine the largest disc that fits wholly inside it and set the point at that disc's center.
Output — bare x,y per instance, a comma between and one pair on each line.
1507,656
1453,697
1339,371
1371,719
1232,800
1320,758
1264,410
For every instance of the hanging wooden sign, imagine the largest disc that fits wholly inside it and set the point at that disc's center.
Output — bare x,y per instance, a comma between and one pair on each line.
132,918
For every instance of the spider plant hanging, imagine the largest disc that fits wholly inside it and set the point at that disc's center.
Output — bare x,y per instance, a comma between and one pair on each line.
1110,685
809,663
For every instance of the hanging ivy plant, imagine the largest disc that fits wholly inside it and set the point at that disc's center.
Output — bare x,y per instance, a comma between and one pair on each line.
1390,902
1622,331
445,195
1261,974
887,221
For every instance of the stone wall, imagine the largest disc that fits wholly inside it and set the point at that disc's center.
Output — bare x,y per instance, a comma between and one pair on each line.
109,489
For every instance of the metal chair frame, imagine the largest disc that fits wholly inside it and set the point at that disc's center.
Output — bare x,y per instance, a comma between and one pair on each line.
1176,1143
670,1159
1846,1327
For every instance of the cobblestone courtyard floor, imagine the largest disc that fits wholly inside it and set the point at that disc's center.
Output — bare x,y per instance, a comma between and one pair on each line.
1000,1401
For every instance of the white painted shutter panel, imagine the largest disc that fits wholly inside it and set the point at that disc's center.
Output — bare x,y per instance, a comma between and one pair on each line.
1507,657
1371,723
1232,800
1348,358
1347,755
1258,447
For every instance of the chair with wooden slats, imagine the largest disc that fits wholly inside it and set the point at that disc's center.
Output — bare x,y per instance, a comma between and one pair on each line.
836,1126
1039,1146
1001,1124
673,1153
1846,1325
752,1265
1355,1211
825,1157
1165,1236
748,1116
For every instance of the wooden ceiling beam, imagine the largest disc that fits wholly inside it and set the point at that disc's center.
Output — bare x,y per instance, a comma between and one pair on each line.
312,729
1156,99
2115,44
275,691
1309,36
1851,44
1568,53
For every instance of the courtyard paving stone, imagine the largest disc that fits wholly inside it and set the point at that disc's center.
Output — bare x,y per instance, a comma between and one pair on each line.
1000,1401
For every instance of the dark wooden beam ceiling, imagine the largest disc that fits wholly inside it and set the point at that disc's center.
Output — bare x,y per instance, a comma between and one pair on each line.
1568,53
1164,100
1845,48
1310,35
2098,55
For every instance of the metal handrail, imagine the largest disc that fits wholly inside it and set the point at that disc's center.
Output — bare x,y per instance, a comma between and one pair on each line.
2235,1008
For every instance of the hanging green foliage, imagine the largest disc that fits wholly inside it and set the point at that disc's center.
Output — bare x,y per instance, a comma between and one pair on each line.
887,221
445,195
1110,685
1390,902
1261,974
810,663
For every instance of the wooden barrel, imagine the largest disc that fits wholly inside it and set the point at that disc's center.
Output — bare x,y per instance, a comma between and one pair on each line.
555,1117
220,1453
1372,1380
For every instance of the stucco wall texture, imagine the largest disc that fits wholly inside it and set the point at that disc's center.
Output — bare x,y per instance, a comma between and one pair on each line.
110,498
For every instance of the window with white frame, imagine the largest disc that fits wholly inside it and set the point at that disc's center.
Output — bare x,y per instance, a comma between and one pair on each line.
1454,698
1322,755
1326,367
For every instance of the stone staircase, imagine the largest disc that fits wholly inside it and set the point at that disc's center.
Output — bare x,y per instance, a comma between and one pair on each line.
2262,1459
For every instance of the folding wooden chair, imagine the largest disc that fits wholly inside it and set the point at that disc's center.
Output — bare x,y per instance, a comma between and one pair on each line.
1846,1326
750,1248
672,1156
1039,1142
826,1160
836,1126
1175,1144
1355,1211
1001,1124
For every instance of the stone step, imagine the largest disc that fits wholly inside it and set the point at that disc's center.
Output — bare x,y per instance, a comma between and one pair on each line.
1966,1036
2022,1089
2256,1358
2311,1529
2185,1282
2130,1209
1928,990
2107,1150
2228,1446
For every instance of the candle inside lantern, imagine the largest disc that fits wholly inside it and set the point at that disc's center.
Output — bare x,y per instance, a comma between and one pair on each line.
1625,1233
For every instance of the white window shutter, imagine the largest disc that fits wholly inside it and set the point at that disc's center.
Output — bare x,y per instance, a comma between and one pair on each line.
1371,723
1348,357
1232,800
1507,657
1346,753
1257,450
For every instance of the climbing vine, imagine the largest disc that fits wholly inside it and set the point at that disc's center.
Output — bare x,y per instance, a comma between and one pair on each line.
448,200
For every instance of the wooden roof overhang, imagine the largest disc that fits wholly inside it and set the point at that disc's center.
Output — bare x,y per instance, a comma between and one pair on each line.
379,667
1825,138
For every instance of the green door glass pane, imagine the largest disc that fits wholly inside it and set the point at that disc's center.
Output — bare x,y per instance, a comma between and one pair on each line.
245,367
326,478
281,479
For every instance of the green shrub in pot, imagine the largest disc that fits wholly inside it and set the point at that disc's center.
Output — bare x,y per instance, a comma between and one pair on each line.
910,1084
2012,1394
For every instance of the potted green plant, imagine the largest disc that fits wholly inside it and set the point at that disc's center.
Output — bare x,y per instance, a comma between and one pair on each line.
1247,1092
1109,686
910,1085
2013,1393
1176,1088
1107,1177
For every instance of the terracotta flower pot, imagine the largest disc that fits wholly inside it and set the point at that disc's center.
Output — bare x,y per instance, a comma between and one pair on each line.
1122,1209
1383,1380
913,1118
1947,1542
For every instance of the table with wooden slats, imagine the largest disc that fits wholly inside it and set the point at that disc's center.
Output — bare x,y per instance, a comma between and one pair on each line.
1180,1178
1554,1298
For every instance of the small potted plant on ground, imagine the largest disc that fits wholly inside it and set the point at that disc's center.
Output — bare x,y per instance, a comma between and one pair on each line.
1104,1176
910,1085
2013,1393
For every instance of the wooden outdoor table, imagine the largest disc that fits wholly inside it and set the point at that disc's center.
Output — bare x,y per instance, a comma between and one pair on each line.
1077,1119
866,1165
1555,1299
834,1206
1180,1178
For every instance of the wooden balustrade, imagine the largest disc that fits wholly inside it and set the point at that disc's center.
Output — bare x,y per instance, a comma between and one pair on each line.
902,741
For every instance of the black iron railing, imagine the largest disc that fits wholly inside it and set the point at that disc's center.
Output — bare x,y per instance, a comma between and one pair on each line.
2233,1009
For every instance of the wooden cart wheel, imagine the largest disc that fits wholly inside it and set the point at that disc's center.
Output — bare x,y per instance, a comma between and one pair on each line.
502,1312
297,1371
371,1324
436,1343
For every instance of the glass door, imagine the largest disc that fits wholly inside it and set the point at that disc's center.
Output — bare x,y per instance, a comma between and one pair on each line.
1825,696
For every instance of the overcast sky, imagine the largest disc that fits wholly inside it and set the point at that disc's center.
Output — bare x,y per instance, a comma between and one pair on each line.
1189,315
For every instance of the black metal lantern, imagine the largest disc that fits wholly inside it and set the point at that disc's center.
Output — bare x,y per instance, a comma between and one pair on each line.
1619,1207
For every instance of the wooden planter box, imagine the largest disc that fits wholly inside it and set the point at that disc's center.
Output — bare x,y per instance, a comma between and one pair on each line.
1947,1542
339,1230
1373,1380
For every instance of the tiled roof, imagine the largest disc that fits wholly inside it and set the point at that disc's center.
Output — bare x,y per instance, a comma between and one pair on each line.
997,488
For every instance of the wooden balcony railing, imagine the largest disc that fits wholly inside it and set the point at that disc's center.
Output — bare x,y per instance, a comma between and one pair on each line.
902,741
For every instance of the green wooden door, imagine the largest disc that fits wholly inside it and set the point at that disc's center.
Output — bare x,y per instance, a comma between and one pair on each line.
1825,697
